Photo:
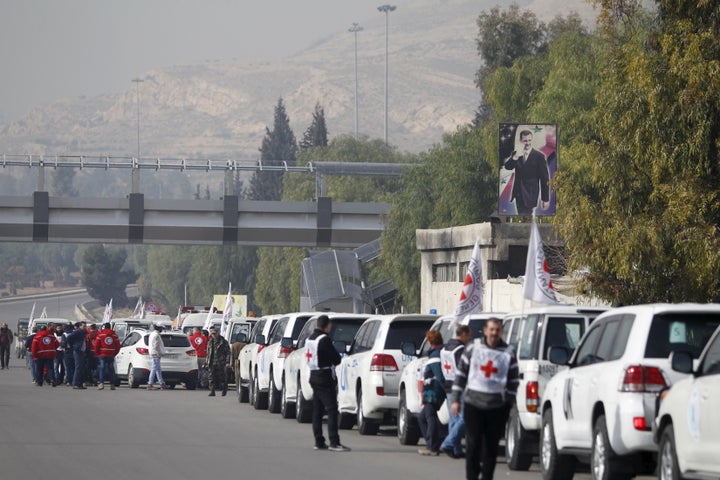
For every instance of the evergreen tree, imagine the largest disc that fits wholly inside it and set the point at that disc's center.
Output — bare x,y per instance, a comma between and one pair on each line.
278,146
316,135
103,274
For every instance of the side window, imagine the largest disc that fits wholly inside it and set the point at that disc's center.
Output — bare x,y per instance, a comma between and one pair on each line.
586,351
515,332
130,339
606,341
527,345
358,341
711,363
257,330
279,330
563,332
621,337
372,335
306,332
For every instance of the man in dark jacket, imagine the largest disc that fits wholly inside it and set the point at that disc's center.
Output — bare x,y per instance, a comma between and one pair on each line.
433,395
218,361
322,359
6,339
487,379
77,343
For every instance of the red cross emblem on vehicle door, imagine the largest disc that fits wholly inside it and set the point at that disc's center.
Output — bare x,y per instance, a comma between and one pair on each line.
447,367
308,355
488,369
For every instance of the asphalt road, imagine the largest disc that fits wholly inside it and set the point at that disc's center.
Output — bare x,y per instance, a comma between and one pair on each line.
60,433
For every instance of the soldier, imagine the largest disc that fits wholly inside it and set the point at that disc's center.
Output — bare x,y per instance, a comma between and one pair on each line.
218,360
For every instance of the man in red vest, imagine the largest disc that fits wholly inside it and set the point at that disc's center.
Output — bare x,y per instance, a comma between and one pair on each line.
43,350
199,342
106,346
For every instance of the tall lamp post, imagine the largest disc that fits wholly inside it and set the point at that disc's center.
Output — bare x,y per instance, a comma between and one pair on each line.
136,171
355,29
386,9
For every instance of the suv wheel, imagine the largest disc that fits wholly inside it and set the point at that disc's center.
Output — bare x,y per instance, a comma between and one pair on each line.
191,381
303,408
603,464
243,391
515,438
408,427
273,397
669,469
553,466
260,400
133,382
365,425
286,408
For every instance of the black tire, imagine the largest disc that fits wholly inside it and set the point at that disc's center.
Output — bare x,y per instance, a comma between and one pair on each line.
553,466
243,392
515,439
365,425
604,464
407,424
274,397
133,382
668,468
191,382
260,399
171,385
287,409
303,408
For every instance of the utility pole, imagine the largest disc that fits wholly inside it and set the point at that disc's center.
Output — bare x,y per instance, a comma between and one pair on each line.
136,171
386,9
355,29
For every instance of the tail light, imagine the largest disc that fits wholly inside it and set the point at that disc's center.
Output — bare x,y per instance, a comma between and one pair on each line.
260,348
640,424
532,396
382,362
142,351
640,378
191,352
380,391
284,352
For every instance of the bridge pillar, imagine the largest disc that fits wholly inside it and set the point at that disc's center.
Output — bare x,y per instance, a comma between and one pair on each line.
324,221
230,220
41,216
136,218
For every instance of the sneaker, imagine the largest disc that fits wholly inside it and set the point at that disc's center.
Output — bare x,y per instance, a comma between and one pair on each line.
101,386
152,387
320,447
338,448
112,387
428,453
451,453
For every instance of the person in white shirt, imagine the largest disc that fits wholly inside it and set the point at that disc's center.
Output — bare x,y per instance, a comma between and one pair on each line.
157,350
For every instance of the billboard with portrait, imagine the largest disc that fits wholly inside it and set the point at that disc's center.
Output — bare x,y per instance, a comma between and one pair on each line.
528,162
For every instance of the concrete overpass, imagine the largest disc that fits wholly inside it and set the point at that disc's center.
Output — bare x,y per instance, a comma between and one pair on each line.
230,221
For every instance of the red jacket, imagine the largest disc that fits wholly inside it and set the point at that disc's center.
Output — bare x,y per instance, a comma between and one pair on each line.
44,345
90,336
107,343
199,343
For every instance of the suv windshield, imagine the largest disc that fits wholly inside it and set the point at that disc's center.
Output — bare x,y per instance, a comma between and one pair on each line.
400,332
688,332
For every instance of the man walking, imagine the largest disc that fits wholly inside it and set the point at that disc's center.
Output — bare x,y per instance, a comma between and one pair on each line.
156,350
106,347
487,379
6,339
77,343
218,361
322,359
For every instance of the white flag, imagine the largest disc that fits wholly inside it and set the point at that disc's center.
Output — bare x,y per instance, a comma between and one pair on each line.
227,311
471,297
107,315
537,286
208,319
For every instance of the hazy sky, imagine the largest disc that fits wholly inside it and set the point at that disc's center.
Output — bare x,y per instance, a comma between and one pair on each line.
54,49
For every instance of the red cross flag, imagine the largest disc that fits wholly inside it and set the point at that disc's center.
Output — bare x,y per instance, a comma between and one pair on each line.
537,285
471,297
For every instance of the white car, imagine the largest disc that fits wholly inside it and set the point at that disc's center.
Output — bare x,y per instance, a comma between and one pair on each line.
296,392
271,359
248,362
179,364
410,389
603,406
532,332
193,320
369,377
687,427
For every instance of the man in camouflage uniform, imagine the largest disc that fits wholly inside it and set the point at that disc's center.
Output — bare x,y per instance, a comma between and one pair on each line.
218,360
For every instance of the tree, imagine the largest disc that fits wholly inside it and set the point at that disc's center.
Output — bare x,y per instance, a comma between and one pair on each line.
278,146
316,135
62,183
103,274
644,224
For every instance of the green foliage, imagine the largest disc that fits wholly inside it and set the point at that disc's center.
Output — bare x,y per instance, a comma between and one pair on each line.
103,274
316,135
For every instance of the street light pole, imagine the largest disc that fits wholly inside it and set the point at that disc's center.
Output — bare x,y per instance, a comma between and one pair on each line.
386,9
355,29
136,171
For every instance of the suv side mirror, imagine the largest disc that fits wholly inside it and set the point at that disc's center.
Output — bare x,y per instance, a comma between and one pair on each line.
408,348
286,342
260,339
681,362
559,355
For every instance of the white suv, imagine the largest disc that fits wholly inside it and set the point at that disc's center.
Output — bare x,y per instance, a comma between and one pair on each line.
271,359
368,378
532,332
296,393
247,361
410,389
603,406
686,427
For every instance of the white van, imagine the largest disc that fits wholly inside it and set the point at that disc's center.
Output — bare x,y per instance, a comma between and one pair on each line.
193,320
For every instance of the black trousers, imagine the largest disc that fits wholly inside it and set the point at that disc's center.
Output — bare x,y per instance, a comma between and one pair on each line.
325,401
5,354
484,429
430,427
